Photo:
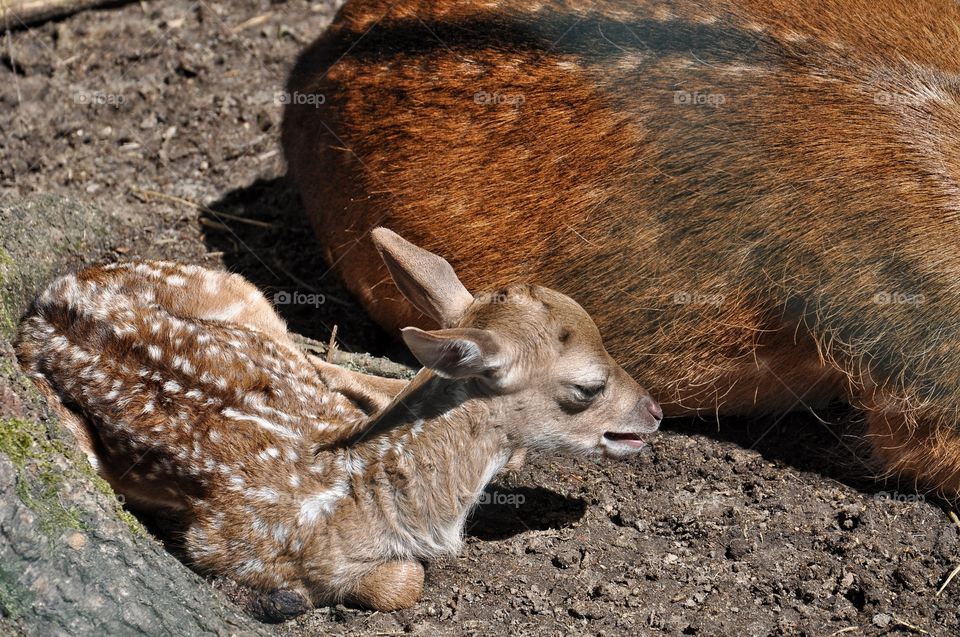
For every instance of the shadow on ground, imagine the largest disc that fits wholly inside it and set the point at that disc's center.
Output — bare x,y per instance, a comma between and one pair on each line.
505,512
264,235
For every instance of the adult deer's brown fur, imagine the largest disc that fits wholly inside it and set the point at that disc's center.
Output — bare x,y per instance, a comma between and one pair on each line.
757,200
186,392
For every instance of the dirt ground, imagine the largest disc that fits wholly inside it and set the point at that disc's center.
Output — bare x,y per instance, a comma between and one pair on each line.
761,527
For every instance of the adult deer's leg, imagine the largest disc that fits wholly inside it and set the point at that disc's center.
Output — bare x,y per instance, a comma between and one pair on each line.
918,447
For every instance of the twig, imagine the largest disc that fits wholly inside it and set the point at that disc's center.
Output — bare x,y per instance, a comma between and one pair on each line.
916,629
844,630
307,344
210,223
363,362
252,22
153,194
28,13
949,579
332,345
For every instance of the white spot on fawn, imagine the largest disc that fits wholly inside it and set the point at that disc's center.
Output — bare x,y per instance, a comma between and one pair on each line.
280,533
228,313
321,504
249,567
269,452
265,494
233,414
353,464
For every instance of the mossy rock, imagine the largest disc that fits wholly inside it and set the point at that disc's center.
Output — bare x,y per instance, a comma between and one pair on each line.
39,236
72,561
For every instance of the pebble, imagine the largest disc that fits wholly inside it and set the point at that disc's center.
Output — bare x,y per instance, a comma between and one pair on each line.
77,541
882,620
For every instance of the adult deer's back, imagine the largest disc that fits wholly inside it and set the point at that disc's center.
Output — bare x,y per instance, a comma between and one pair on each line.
756,200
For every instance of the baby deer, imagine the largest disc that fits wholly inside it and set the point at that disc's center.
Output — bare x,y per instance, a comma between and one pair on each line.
755,200
186,392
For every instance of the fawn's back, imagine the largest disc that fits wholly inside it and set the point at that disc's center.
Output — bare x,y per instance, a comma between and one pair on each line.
177,380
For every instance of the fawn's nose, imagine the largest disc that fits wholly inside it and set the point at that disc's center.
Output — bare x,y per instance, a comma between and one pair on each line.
654,409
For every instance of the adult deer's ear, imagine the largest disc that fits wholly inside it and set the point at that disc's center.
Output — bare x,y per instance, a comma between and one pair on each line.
425,279
454,353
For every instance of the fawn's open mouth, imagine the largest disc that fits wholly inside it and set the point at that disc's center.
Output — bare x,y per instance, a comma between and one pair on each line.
624,437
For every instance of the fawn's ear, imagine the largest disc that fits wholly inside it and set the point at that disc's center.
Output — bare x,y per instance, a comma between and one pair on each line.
425,279
454,353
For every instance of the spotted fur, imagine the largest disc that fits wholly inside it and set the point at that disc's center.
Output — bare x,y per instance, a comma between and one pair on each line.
185,390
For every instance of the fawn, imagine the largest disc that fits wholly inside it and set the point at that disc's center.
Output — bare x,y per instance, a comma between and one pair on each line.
756,200
186,391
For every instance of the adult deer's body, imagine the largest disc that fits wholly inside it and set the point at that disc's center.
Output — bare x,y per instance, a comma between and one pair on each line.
186,392
758,201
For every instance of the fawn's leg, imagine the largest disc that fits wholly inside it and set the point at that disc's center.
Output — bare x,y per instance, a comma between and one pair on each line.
517,459
88,441
371,393
73,423
390,586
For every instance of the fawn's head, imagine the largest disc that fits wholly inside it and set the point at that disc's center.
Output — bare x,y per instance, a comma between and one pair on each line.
534,348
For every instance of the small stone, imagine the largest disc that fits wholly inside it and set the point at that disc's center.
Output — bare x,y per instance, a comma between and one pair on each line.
846,581
567,558
882,620
77,541
738,548
581,610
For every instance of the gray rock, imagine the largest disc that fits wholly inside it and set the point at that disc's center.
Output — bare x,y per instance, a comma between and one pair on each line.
72,562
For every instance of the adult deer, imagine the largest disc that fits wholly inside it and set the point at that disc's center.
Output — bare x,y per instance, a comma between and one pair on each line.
756,200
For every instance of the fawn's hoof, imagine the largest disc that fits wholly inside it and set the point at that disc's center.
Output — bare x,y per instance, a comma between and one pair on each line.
279,606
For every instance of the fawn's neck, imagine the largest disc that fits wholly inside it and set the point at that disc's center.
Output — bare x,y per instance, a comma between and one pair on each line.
438,446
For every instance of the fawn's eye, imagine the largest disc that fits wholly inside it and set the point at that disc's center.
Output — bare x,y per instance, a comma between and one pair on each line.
589,393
